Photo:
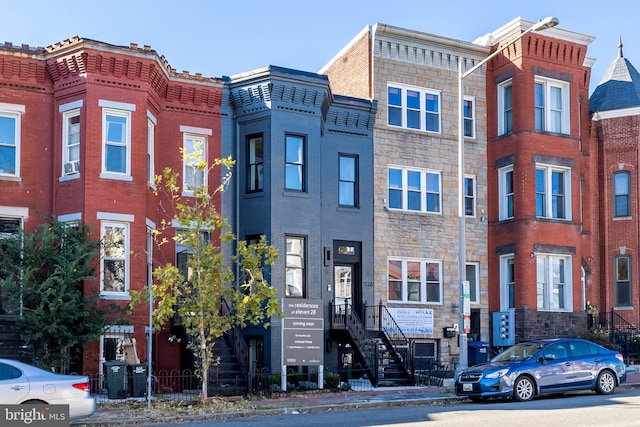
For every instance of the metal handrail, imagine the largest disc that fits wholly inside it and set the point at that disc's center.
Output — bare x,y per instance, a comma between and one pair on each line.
393,333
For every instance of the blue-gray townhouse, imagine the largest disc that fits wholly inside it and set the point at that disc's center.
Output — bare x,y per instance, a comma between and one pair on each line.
304,179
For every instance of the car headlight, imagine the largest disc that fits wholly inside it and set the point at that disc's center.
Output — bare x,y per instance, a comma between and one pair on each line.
497,374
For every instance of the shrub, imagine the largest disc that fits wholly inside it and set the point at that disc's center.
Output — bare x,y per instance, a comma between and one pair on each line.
331,380
307,385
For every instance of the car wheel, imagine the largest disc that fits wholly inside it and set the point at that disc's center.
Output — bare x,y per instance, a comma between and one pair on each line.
523,389
606,383
35,402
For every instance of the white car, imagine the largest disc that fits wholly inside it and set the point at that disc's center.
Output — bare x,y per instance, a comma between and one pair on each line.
21,383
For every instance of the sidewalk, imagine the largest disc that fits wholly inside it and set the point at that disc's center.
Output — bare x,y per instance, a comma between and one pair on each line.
294,403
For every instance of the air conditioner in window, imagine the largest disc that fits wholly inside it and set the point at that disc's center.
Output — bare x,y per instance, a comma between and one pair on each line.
72,167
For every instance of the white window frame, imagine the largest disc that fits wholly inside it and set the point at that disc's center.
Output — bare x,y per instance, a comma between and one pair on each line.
503,127
469,119
191,132
545,274
295,265
423,190
124,293
70,164
474,281
189,166
507,281
151,138
13,111
116,109
505,197
548,110
548,195
422,109
423,265
470,198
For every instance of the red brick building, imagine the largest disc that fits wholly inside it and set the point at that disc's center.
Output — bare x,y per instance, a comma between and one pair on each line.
84,126
614,106
542,209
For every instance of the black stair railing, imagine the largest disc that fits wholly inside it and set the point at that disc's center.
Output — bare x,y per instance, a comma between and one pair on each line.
238,345
394,335
622,333
343,316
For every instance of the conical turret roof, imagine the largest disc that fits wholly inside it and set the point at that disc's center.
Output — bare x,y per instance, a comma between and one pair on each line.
619,88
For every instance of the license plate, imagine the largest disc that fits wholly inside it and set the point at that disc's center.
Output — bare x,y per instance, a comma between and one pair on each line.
467,387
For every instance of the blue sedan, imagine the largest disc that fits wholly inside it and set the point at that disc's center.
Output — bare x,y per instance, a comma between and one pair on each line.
544,366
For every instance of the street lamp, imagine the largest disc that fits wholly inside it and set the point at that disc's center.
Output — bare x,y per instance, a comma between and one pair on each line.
548,22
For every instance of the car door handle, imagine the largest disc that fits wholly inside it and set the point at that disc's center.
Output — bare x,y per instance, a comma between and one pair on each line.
567,364
17,387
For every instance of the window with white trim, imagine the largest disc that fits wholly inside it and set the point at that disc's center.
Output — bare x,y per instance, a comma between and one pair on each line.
554,288
295,270
623,290
71,142
10,139
551,101
414,190
553,192
469,116
151,132
116,142
470,196
115,258
413,107
507,282
505,184
194,163
505,107
473,277
414,280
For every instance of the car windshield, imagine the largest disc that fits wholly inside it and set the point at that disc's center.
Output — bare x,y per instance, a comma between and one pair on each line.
519,352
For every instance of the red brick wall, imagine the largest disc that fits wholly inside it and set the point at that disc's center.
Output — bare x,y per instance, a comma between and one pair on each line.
91,71
525,232
619,139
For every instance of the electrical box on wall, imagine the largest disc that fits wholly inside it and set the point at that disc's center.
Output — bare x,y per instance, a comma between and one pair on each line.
504,326
449,331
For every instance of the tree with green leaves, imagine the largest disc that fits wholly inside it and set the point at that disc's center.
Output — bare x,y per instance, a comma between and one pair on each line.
201,296
42,277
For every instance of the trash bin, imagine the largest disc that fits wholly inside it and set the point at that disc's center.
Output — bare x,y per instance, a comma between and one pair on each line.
116,375
138,380
478,352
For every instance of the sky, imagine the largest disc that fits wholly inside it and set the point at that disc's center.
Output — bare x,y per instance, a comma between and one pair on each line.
223,38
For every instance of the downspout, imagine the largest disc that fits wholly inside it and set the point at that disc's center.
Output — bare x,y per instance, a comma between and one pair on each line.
237,185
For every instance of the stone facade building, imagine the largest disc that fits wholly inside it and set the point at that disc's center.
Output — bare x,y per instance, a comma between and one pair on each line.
413,75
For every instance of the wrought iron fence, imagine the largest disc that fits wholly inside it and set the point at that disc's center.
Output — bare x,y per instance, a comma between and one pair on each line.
165,385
